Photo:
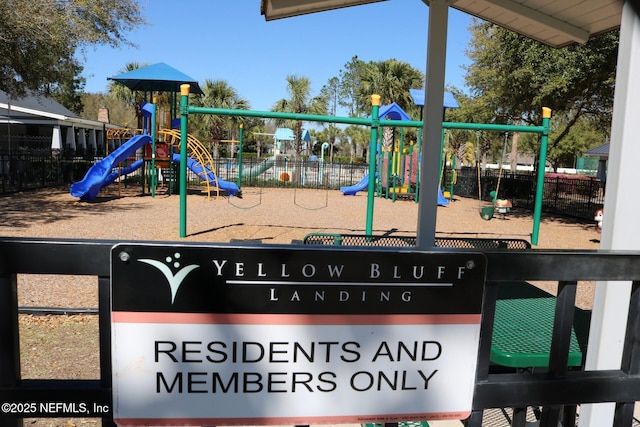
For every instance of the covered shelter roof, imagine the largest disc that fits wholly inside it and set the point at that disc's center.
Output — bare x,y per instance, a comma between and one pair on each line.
276,9
556,23
283,134
34,108
418,98
158,77
393,112
601,151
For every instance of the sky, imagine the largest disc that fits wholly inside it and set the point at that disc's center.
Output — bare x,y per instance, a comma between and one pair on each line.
231,41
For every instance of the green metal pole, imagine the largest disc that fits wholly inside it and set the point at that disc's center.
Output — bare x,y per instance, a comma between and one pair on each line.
402,158
184,129
240,156
537,208
418,172
453,173
154,175
285,116
359,121
391,178
389,172
380,163
375,122
442,159
411,148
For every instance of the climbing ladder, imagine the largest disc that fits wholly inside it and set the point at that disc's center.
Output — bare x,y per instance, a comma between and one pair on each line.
197,151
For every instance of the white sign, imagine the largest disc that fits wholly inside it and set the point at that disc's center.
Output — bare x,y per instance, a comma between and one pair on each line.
174,367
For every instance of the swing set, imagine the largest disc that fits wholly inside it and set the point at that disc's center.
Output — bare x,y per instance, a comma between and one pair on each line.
374,124
485,208
284,176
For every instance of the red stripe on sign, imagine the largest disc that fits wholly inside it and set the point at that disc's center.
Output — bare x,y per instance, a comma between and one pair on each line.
295,319
290,420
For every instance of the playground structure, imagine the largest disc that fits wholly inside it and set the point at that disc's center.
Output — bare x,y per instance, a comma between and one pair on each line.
399,165
191,154
557,386
158,152
158,155
179,147
374,123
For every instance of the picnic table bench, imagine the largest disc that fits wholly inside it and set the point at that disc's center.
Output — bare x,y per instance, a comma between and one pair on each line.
524,314
408,241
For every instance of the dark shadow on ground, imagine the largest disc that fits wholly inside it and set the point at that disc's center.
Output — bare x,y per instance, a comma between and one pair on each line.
211,230
31,208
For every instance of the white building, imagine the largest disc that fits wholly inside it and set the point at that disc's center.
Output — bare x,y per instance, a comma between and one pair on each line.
39,123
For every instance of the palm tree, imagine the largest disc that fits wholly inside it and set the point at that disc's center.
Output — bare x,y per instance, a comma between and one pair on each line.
331,94
359,138
391,79
218,94
300,102
331,134
122,93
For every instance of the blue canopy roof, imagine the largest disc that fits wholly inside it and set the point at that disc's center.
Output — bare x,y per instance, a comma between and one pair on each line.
156,78
418,98
393,112
283,134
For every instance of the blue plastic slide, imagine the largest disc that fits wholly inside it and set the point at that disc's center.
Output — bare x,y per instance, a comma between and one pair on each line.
259,168
442,201
351,190
102,174
205,174
362,185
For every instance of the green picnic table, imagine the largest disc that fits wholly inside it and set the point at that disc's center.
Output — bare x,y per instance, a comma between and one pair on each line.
523,327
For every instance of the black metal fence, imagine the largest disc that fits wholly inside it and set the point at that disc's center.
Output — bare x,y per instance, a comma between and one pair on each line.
566,195
573,196
557,389
31,168
283,172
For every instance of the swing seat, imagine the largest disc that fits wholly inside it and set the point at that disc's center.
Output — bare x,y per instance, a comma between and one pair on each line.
487,211
503,206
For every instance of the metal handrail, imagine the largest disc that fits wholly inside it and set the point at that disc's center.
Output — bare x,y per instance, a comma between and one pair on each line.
551,390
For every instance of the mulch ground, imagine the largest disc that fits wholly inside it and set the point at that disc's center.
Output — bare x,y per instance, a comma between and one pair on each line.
269,216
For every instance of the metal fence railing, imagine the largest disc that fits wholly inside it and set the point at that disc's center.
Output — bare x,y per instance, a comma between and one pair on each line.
567,195
553,389
286,172
30,169
573,196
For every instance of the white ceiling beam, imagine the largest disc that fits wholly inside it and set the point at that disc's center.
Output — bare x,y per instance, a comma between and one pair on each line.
277,9
575,33
32,111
